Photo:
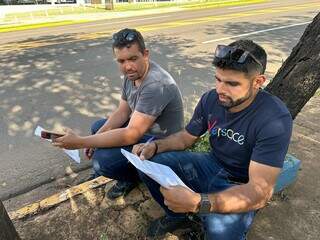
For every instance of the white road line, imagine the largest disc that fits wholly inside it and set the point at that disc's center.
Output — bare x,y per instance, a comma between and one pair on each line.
256,32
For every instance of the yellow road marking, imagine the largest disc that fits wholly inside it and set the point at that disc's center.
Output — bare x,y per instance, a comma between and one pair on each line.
153,27
40,25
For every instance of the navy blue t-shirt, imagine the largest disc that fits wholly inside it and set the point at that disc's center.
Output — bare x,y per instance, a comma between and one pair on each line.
261,132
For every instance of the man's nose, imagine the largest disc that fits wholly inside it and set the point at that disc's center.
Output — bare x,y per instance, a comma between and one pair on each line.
128,66
220,87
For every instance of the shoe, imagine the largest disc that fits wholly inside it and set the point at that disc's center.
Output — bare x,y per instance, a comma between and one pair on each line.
88,178
161,226
193,235
121,188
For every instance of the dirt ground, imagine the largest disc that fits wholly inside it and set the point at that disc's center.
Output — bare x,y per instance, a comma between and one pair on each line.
292,215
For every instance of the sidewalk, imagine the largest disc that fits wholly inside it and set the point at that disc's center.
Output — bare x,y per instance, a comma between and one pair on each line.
292,215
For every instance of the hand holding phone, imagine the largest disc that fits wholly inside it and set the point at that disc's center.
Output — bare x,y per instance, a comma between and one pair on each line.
51,134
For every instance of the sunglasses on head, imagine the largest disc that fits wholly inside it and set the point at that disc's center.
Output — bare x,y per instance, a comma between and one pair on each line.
124,36
235,54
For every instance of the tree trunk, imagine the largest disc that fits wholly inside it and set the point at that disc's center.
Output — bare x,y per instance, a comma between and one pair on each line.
299,77
7,230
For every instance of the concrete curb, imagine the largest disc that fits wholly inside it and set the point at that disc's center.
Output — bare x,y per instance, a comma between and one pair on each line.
58,198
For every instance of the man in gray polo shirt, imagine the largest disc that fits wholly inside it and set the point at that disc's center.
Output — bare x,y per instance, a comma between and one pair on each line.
150,107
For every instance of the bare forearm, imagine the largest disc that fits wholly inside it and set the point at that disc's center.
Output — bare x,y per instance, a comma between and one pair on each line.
242,198
177,141
116,120
112,138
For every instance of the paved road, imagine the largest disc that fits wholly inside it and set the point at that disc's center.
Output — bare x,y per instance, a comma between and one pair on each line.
66,76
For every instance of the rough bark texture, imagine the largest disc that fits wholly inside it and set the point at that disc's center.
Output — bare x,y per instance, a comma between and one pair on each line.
7,230
299,77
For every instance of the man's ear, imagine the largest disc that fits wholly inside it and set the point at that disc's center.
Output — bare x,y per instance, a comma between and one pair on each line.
146,53
259,81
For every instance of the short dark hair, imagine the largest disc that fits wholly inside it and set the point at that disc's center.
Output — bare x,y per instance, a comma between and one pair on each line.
250,65
126,37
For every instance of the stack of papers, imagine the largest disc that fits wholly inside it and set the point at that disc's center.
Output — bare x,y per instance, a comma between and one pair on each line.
160,173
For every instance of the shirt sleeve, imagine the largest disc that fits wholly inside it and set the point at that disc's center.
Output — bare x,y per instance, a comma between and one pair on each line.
123,91
154,98
272,142
198,123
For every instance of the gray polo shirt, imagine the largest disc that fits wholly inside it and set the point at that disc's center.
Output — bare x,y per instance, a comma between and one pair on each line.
158,96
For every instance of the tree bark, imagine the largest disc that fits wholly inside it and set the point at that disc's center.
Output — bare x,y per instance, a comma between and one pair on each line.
7,230
299,77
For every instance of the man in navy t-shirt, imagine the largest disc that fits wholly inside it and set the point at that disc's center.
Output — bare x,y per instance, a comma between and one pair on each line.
249,131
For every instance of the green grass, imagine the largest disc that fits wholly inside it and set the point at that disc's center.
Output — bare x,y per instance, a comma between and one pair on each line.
192,5
103,236
60,11
202,145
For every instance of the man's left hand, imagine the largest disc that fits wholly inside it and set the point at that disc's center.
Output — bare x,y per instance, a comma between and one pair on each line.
180,199
69,141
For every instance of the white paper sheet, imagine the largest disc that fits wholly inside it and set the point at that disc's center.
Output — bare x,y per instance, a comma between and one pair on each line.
73,154
162,174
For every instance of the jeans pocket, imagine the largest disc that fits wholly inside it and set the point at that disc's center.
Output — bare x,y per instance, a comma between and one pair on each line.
191,176
190,172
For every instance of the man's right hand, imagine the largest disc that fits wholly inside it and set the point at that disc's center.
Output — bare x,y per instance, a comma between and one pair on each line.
144,150
89,152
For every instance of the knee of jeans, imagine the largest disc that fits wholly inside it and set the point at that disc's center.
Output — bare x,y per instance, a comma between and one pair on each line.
96,166
224,226
100,169
214,227
97,125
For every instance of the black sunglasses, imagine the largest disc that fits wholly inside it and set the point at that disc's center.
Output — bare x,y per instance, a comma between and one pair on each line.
124,37
235,54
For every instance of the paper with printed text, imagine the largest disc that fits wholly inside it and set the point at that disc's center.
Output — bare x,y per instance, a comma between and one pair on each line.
160,173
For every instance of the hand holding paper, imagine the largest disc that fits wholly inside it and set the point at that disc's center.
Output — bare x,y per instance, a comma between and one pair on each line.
73,154
160,173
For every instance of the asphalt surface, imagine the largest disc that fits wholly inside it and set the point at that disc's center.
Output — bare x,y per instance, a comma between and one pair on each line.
66,76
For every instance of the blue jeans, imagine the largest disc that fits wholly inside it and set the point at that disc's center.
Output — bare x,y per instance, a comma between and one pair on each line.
203,174
110,162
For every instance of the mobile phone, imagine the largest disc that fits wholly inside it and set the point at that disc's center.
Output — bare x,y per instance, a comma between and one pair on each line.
51,134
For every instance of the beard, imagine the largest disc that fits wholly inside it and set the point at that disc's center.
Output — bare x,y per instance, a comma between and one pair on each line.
230,103
133,76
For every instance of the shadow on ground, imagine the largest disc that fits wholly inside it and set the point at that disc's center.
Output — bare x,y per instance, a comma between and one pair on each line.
53,86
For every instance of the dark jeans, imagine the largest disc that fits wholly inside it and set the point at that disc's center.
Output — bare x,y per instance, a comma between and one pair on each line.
110,162
202,173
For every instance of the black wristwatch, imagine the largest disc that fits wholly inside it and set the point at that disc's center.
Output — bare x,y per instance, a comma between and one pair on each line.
205,204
